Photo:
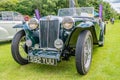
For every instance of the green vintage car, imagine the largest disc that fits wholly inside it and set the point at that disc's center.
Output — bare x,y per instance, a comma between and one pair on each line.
55,38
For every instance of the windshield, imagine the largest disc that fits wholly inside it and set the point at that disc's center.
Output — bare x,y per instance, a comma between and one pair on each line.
77,12
10,16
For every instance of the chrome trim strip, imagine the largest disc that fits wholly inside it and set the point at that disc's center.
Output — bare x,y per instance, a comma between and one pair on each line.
52,49
48,33
58,30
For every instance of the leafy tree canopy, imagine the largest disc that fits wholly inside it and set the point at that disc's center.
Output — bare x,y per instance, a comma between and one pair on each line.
51,6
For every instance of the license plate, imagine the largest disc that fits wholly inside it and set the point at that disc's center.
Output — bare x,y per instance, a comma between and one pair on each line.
42,60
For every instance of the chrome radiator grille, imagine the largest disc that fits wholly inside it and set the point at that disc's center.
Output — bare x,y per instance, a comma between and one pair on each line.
49,31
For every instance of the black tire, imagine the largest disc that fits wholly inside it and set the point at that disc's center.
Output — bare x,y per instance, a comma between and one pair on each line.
81,59
105,29
102,38
15,48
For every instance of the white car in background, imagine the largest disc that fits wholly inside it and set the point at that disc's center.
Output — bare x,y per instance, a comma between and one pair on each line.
8,19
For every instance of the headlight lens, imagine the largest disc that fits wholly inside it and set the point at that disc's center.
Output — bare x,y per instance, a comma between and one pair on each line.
28,43
58,43
36,46
68,23
33,23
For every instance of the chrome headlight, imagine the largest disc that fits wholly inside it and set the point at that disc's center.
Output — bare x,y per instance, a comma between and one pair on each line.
58,43
68,23
33,23
28,43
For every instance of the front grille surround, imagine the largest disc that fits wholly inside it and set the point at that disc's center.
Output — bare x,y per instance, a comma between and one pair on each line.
49,32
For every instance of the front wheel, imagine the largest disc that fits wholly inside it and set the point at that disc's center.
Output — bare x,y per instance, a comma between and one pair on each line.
83,53
19,48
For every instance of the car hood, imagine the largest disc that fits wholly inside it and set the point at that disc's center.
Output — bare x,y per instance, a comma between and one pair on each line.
52,18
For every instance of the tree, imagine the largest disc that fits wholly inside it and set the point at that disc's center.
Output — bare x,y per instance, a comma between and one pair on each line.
24,7
47,7
8,5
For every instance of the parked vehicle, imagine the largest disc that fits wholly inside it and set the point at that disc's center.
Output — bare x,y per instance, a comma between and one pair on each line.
8,19
55,38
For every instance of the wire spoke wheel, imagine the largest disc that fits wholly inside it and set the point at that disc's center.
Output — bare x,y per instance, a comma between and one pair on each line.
87,53
22,45
83,53
19,48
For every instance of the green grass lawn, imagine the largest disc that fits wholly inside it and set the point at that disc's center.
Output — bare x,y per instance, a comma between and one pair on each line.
105,63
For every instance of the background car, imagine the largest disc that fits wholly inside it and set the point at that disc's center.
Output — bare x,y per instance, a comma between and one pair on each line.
8,19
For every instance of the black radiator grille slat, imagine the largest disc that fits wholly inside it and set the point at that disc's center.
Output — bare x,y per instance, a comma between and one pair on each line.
48,33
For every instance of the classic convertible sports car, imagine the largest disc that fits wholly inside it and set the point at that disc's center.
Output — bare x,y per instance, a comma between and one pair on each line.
55,38
8,19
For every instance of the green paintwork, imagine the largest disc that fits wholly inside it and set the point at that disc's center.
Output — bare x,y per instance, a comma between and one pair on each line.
69,37
72,38
97,30
31,35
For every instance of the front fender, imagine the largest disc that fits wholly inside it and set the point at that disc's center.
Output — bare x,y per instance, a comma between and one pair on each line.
102,31
32,35
72,39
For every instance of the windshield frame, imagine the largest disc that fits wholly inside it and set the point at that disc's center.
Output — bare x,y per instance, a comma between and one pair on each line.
76,12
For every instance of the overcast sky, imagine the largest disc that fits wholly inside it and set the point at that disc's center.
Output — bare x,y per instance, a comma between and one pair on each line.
115,4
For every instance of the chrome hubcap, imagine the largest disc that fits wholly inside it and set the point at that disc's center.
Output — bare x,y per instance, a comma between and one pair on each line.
87,52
